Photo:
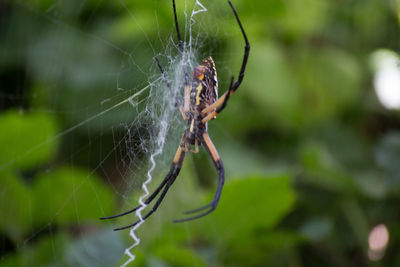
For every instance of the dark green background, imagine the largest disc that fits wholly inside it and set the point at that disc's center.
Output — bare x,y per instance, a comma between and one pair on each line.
312,159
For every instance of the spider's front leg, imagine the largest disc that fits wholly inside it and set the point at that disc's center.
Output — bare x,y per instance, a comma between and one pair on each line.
212,110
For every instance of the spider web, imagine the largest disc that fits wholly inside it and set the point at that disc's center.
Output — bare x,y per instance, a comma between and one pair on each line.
164,119
133,91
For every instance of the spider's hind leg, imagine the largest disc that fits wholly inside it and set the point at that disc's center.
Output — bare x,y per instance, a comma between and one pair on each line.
148,200
206,141
163,188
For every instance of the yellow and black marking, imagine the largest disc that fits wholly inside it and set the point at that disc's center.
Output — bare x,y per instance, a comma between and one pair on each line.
210,81
204,87
203,93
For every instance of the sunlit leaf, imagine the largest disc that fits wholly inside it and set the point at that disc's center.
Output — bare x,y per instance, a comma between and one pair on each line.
26,140
70,195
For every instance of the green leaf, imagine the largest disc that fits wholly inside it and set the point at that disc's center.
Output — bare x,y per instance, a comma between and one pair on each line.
271,87
388,152
252,203
179,256
387,156
271,248
304,17
70,195
15,207
329,80
26,140
322,169
80,76
98,249
47,251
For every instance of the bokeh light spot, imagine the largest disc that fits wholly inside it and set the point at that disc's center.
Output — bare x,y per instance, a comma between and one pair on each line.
377,242
386,64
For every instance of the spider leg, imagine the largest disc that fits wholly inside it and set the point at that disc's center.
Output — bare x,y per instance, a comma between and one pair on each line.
206,141
198,209
157,204
246,52
220,104
148,200
164,186
180,42
178,33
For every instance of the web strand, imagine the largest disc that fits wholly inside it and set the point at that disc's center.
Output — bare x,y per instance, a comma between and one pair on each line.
184,62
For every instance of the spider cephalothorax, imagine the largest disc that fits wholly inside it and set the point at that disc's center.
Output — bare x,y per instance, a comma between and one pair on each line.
201,104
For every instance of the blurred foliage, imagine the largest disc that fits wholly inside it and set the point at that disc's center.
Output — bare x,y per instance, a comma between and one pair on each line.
311,156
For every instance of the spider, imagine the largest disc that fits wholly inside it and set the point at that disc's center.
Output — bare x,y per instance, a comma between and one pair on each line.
201,104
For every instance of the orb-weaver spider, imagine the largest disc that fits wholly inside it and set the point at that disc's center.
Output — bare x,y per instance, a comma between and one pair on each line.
201,104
